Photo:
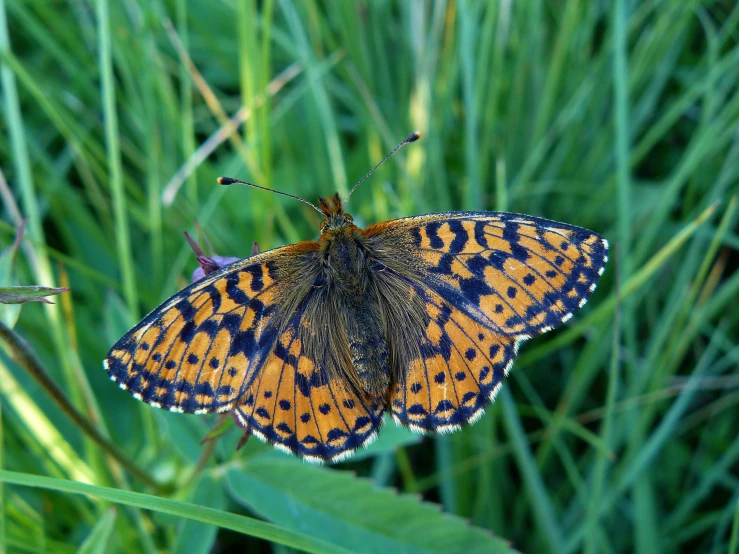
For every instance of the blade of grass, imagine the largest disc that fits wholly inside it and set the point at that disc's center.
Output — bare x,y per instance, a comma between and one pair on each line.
97,541
540,501
42,430
3,525
25,357
644,456
321,98
203,514
112,146
734,542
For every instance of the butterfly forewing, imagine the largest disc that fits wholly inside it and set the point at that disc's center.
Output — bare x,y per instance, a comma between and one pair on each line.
517,275
200,350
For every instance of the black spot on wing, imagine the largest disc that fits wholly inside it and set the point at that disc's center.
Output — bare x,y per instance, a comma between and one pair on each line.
209,327
257,275
214,295
243,342
432,232
187,333
186,309
306,384
480,234
233,291
459,242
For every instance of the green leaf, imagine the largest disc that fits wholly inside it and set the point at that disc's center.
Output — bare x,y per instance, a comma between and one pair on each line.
31,293
343,509
390,438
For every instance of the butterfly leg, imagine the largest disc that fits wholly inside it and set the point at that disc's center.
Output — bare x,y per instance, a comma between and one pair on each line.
214,433
243,423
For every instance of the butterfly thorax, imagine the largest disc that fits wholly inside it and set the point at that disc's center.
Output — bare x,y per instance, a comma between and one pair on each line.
341,247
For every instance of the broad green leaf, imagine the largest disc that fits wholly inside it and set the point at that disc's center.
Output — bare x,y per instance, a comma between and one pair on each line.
343,509
184,432
391,436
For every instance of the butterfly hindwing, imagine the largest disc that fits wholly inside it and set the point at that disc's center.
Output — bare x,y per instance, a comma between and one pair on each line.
489,281
460,371
199,351
297,406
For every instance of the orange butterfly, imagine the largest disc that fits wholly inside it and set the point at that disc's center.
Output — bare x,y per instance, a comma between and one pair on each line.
309,344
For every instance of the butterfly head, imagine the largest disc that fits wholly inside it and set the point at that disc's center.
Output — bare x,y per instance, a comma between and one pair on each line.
335,217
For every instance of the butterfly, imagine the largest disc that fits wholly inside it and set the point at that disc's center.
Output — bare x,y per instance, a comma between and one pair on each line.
309,344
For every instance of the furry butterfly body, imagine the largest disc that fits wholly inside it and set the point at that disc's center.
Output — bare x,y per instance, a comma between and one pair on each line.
309,344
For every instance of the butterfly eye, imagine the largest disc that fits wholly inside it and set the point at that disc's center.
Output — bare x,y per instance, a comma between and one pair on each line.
349,218
324,226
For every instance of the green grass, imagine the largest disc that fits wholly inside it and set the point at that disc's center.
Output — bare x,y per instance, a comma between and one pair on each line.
617,433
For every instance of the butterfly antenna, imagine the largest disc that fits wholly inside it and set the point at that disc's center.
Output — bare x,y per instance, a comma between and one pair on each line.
229,181
412,138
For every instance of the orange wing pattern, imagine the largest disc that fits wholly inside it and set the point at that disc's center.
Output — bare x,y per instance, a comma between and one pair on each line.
491,280
264,337
222,345
460,371
199,351
294,405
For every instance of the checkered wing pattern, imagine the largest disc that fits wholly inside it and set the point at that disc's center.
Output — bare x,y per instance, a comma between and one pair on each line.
490,281
299,407
223,344
200,350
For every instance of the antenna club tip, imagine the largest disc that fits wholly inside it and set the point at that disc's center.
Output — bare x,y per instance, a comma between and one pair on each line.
225,181
414,137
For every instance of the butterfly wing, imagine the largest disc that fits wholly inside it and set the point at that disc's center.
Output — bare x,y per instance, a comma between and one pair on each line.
200,350
460,370
490,281
236,341
299,407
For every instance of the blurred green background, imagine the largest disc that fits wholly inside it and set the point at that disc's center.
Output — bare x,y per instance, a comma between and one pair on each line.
616,433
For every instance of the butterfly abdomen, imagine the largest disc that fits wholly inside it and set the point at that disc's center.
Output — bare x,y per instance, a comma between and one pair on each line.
367,345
